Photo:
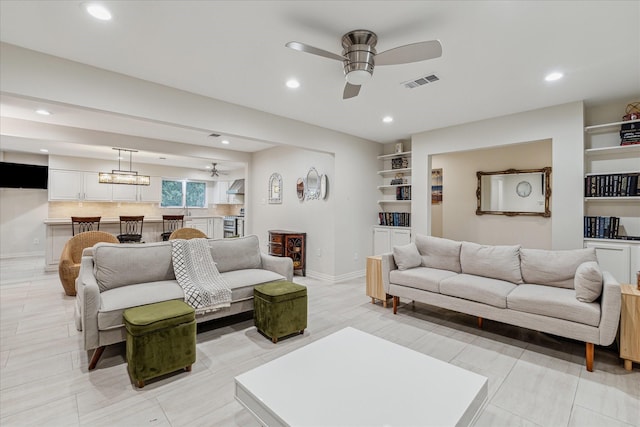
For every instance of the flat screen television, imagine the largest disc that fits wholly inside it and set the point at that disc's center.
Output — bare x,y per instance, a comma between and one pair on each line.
18,175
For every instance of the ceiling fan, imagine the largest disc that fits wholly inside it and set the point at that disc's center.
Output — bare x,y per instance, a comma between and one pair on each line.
215,172
359,56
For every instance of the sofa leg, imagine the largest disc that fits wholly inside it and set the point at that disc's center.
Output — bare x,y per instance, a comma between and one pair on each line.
396,300
589,356
480,319
96,356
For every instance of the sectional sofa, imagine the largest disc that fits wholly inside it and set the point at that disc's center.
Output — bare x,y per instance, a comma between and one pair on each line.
562,292
114,277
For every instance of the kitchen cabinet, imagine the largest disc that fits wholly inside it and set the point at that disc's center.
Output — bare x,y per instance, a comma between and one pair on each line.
66,185
220,196
139,193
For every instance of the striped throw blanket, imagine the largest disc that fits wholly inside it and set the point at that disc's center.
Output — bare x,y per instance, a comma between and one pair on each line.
196,272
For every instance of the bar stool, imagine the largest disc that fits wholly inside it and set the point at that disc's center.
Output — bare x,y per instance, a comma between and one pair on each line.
85,223
171,223
130,229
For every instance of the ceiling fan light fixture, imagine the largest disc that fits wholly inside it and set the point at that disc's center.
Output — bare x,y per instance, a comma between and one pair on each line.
358,77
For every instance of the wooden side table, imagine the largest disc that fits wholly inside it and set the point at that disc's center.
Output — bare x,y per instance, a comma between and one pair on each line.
630,325
375,289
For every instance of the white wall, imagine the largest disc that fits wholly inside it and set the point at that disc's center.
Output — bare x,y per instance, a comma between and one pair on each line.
562,124
22,212
314,217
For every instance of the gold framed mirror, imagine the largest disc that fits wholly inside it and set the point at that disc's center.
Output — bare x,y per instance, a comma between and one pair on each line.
514,192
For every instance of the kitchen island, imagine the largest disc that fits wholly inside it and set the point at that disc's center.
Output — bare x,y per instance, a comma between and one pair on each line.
59,232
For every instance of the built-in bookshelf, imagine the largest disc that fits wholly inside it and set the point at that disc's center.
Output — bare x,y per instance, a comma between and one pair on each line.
395,189
612,197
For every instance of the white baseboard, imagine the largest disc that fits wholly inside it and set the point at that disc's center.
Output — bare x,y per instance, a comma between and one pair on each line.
22,255
336,279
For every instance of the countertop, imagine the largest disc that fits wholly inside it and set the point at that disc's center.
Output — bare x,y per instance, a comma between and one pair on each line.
67,221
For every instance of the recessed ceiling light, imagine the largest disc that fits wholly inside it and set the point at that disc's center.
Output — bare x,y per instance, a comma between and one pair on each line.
44,150
43,112
208,167
225,142
387,119
293,84
552,77
98,11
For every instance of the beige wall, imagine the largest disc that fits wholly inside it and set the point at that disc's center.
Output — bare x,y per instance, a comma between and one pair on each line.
456,218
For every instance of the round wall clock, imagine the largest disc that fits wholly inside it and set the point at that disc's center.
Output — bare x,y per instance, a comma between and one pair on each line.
523,189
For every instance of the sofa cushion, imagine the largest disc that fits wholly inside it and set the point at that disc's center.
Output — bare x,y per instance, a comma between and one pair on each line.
588,281
118,265
553,268
406,256
555,302
496,262
114,302
476,288
236,254
248,278
427,279
439,253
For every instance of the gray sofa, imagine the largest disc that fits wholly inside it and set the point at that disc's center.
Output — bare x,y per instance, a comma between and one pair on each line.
114,277
558,292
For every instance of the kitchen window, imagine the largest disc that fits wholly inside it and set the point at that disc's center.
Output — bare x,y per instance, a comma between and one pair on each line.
183,194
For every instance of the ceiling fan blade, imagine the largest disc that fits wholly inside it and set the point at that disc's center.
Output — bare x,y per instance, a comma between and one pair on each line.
314,50
413,52
350,91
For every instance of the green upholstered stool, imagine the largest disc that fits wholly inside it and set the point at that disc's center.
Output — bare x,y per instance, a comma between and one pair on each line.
161,338
280,309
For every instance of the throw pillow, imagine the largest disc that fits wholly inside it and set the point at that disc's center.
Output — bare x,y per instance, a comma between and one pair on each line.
588,281
436,252
496,262
406,256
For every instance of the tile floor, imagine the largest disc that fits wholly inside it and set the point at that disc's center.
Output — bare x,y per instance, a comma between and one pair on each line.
534,379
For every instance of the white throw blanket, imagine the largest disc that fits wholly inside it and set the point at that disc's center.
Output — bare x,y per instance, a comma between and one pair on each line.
204,287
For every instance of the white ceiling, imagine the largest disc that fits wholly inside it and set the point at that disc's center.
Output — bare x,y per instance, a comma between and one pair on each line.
495,57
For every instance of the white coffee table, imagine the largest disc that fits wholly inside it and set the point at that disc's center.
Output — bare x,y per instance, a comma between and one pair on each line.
333,382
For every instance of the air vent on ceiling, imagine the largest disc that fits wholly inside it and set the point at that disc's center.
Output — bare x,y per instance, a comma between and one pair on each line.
421,81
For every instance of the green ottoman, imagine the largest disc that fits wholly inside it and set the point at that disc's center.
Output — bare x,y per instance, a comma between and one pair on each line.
161,338
280,309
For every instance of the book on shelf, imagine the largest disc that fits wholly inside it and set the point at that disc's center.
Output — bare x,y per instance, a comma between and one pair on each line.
612,185
394,219
403,193
601,227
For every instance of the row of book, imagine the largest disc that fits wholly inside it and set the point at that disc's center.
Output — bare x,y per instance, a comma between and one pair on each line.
601,227
612,185
403,193
395,219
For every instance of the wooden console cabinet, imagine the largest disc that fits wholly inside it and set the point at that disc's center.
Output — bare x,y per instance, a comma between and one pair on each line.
630,325
292,244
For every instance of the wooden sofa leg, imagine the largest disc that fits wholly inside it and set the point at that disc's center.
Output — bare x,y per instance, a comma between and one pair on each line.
396,300
96,356
480,322
589,356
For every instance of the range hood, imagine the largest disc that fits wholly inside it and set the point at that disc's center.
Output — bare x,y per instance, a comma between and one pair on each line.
237,187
